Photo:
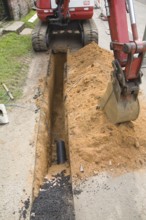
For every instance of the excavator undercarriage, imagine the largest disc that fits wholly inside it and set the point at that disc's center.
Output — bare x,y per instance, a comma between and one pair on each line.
43,33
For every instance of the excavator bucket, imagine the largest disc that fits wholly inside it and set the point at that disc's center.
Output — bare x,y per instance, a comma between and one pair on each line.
117,107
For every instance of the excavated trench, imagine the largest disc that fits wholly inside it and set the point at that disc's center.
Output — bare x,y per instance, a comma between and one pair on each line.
58,115
52,186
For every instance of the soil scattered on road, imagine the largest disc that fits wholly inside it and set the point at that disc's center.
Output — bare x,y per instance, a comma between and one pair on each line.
96,144
54,200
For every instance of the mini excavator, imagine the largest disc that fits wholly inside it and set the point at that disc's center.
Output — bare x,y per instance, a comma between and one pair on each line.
70,16
120,101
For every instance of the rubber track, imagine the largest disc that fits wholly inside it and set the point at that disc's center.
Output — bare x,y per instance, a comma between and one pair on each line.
90,32
39,37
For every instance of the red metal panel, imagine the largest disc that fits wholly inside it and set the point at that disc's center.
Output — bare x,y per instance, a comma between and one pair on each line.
133,67
78,14
81,14
43,4
43,16
118,26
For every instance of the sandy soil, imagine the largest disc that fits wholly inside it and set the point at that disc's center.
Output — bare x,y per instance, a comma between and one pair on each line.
96,144
43,141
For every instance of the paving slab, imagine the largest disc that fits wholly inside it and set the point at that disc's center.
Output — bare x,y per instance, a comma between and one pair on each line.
16,26
26,31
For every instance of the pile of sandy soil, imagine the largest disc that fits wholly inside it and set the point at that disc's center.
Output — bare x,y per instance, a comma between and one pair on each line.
95,143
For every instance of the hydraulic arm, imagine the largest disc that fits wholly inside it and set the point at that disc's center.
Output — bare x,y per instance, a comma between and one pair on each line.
120,101
62,9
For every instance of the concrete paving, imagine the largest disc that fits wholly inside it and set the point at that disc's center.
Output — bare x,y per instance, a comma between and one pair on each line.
18,148
103,30
26,31
144,60
142,1
105,197
16,26
140,10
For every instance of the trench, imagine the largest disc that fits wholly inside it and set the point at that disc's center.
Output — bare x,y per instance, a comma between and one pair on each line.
54,198
58,131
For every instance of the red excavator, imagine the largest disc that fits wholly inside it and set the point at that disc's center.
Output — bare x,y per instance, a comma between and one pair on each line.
69,16
120,101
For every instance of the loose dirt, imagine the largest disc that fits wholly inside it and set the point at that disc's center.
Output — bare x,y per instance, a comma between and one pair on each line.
96,144
55,200
43,138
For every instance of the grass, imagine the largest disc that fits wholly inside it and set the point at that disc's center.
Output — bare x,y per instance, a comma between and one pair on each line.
27,17
14,52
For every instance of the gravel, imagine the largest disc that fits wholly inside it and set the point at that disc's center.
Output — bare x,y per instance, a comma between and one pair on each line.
55,200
